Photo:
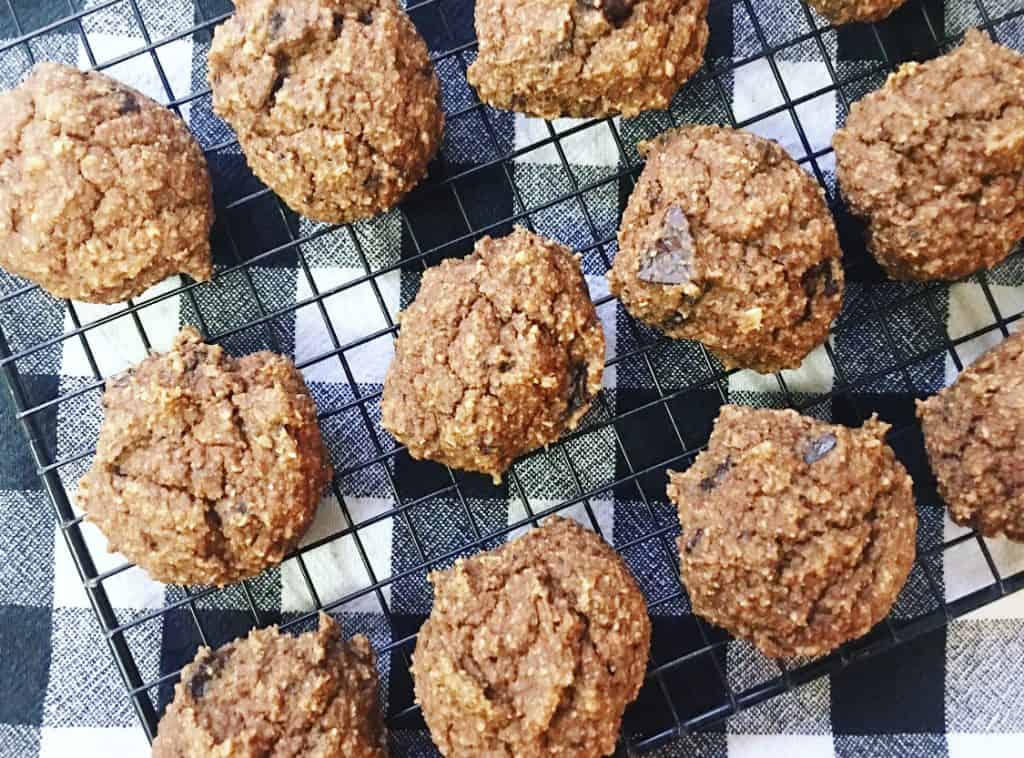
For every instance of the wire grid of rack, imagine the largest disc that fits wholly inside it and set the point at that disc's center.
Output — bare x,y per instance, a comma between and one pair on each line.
664,701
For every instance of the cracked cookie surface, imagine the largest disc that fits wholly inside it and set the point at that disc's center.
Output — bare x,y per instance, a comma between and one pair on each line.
974,431
726,240
532,649
208,468
500,353
847,11
797,535
934,162
103,192
335,102
272,695
586,58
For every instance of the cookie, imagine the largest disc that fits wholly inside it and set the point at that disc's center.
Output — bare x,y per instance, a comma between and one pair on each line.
796,535
274,694
533,649
839,12
500,353
103,192
208,468
973,431
934,162
335,102
586,57
726,240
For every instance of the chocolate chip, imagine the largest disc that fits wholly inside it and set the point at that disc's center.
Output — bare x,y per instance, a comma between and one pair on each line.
617,11
819,448
709,483
206,672
579,394
694,539
276,23
672,259
504,366
129,104
365,18
818,273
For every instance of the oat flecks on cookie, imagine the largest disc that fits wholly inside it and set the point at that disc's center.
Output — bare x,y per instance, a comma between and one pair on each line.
336,104
533,649
934,162
209,468
103,192
728,241
973,431
274,694
586,58
500,353
797,535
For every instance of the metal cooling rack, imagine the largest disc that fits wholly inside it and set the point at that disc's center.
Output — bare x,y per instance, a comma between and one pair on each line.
667,699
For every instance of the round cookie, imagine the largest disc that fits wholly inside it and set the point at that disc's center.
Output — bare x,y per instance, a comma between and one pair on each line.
533,649
934,162
974,431
274,694
586,57
335,102
796,535
839,12
208,468
103,192
726,240
500,353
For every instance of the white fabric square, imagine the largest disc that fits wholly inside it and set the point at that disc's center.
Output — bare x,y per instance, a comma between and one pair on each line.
603,509
756,91
116,345
354,313
985,745
61,742
593,146
761,745
336,569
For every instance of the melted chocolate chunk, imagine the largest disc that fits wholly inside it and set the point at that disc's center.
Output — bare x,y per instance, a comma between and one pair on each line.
206,673
694,539
672,259
365,18
709,483
276,23
578,394
821,272
617,11
819,448
129,104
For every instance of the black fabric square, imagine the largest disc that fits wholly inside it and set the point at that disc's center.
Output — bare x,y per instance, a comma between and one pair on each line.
900,691
24,663
253,229
434,220
906,34
649,439
17,468
400,685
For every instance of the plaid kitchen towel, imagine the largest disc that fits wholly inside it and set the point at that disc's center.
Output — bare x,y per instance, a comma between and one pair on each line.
329,297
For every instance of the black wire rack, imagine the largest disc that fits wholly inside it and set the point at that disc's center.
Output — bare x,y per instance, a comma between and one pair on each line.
687,687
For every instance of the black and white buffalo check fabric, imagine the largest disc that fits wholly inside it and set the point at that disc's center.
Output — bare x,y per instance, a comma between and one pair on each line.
330,298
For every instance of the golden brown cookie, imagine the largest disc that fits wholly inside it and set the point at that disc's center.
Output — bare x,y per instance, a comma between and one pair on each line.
974,432
500,353
934,162
272,694
335,102
726,240
846,11
534,649
796,535
586,57
103,192
209,468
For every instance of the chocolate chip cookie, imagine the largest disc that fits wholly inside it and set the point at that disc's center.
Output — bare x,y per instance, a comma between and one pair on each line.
335,102
500,353
846,11
974,431
534,649
796,535
934,162
726,240
103,192
272,694
586,57
208,468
